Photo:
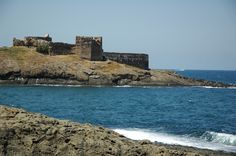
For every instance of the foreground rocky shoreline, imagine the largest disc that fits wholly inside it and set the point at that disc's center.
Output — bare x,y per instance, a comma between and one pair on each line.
22,65
25,133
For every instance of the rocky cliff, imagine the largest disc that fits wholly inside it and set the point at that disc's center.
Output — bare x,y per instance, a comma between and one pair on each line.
24,133
22,65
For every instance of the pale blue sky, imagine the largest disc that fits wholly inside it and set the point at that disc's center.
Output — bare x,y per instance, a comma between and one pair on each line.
177,34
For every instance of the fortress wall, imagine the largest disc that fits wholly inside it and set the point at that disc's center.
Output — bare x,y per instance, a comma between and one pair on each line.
49,39
89,48
86,47
137,60
60,48
83,47
97,52
31,41
18,42
84,52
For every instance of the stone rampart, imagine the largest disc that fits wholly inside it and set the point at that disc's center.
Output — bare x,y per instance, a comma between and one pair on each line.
60,48
47,38
89,48
137,60
86,47
31,41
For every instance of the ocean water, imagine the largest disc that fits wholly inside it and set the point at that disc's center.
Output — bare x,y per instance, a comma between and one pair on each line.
214,75
201,117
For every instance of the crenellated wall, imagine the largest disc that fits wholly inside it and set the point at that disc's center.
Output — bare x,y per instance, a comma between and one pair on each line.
137,60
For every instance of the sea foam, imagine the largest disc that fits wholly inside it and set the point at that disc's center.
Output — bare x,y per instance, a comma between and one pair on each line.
210,87
228,139
209,140
56,85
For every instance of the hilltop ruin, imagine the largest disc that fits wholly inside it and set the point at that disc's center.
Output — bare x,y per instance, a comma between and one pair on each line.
86,47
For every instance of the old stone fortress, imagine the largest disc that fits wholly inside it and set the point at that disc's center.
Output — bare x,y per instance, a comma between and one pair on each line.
89,48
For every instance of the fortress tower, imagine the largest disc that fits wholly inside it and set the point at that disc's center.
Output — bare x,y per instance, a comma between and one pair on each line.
89,48
86,47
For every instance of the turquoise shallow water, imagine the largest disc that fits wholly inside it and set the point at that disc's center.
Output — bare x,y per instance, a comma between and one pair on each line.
192,116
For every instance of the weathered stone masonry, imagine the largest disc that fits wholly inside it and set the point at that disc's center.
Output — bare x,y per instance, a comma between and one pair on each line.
60,48
137,60
31,41
53,48
89,48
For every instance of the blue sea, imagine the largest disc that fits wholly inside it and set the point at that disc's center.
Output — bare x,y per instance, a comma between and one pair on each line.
202,117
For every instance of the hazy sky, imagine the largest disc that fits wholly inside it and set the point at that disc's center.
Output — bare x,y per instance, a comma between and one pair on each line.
177,34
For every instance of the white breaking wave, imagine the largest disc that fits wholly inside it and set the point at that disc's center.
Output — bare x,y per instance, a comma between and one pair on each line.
218,143
57,85
210,87
228,139
66,85
232,87
124,86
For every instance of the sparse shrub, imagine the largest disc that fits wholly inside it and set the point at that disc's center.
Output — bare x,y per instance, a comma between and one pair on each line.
43,48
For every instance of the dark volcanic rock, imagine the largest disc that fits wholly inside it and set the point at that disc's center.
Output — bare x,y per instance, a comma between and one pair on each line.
23,133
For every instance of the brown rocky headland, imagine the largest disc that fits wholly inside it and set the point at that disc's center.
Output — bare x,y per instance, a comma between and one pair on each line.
25,133
22,65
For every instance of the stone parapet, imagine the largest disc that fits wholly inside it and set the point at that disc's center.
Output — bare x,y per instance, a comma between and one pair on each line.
60,48
133,59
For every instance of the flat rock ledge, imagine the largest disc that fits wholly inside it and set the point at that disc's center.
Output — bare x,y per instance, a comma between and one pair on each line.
24,133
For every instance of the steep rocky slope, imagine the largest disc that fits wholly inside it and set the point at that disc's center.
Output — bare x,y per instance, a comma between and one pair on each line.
24,133
25,66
